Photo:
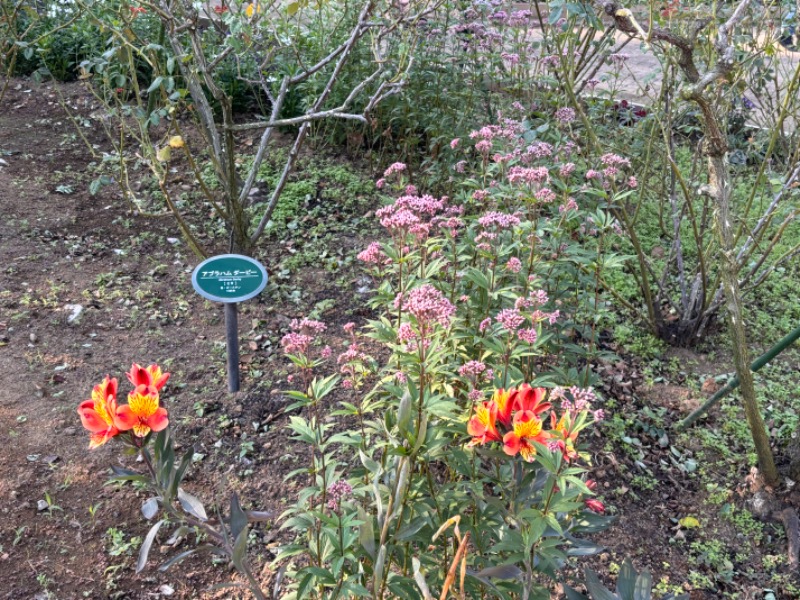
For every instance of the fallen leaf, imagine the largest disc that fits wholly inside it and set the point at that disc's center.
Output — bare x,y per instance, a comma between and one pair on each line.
689,522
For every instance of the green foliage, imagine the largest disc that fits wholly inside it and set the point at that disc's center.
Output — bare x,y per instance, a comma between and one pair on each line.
466,295
631,585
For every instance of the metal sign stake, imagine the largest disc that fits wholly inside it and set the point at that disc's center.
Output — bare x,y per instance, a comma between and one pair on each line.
232,342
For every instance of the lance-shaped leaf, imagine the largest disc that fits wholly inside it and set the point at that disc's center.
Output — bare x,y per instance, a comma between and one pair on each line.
238,517
192,505
144,551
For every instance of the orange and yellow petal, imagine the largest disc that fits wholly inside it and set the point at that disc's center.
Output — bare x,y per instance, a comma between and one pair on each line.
504,402
143,402
526,424
527,451
529,398
158,378
100,438
142,413
511,443
105,391
151,376
125,419
138,375
483,421
158,421
90,418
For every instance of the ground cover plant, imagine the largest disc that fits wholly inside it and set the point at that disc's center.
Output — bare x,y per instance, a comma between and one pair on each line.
462,367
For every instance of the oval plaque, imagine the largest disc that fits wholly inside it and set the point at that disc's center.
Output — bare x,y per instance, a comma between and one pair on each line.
229,278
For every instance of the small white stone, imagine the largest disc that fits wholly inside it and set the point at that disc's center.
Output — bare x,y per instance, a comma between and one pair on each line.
75,310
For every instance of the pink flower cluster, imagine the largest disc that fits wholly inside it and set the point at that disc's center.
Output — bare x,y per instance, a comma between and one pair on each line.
528,175
514,265
298,341
576,400
519,18
397,167
614,160
536,151
510,319
499,220
565,115
341,490
412,214
427,305
473,368
373,254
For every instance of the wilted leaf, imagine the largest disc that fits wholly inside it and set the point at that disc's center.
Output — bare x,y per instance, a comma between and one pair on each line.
176,141
163,154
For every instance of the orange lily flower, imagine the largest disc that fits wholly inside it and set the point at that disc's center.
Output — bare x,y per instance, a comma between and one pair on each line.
482,426
527,430
97,415
142,413
527,398
504,401
148,376
565,438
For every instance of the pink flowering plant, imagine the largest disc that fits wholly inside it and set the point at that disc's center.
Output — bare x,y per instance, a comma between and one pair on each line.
466,450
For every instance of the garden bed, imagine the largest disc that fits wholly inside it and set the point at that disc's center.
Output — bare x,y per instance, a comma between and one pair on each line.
65,535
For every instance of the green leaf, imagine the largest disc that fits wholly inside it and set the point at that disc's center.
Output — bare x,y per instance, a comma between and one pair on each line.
177,476
187,553
626,581
192,505
573,594
156,84
644,586
411,529
177,558
419,577
499,572
366,533
596,589
240,550
121,474
238,517
304,584
144,551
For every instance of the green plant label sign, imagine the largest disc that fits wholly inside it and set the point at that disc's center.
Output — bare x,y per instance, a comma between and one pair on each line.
229,278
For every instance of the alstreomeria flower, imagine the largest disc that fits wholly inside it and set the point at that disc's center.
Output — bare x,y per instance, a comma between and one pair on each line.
142,414
98,414
483,425
504,401
515,417
527,429
148,376
105,419
526,397
565,433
